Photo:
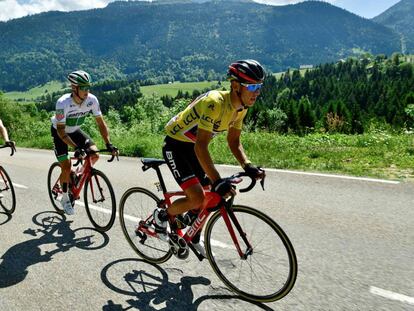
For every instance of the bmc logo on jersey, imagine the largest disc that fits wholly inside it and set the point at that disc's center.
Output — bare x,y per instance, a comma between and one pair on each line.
60,115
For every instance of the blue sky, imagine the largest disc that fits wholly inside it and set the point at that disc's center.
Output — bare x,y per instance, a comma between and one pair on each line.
17,8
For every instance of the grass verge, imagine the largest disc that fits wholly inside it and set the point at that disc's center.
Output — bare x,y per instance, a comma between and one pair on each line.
378,155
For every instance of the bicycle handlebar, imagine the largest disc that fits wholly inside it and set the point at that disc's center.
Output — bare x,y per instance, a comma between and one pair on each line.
12,147
235,179
89,152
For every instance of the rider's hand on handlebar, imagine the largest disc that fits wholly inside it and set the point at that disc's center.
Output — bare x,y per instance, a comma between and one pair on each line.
11,144
112,149
254,171
223,187
79,153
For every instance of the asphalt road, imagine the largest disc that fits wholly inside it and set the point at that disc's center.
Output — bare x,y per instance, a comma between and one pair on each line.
354,240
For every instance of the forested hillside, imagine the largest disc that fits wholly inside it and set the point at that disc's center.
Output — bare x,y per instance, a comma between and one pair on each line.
348,96
181,41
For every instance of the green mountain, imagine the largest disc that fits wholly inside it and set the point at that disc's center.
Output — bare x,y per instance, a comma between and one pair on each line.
400,18
186,41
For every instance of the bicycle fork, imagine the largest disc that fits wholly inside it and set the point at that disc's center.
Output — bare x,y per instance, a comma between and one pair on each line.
229,218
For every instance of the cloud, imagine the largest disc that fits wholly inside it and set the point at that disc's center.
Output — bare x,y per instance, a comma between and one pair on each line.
10,9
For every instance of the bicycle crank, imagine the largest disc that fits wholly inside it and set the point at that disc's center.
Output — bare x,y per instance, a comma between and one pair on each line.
178,246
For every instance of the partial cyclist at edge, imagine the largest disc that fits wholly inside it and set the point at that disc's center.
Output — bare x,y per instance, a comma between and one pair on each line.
5,135
189,134
71,111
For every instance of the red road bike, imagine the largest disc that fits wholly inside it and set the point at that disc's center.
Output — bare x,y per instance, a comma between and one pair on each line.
247,249
98,194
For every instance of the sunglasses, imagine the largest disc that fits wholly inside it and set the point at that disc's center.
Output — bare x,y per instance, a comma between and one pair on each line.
84,88
252,87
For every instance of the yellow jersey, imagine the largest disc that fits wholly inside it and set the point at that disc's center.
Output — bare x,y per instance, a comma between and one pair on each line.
211,111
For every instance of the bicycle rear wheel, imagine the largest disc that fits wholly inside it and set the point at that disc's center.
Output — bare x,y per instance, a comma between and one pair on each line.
138,204
268,272
53,187
100,201
7,195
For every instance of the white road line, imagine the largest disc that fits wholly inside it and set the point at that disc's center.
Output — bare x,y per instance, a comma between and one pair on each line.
97,208
391,295
20,186
17,185
325,175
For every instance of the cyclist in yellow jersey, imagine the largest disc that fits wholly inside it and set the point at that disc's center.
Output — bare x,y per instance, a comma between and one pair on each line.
190,132
5,135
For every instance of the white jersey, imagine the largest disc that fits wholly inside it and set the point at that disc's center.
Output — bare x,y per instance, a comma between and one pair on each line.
72,114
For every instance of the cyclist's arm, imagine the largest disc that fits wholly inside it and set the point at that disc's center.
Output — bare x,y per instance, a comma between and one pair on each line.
203,155
60,127
233,139
103,128
3,131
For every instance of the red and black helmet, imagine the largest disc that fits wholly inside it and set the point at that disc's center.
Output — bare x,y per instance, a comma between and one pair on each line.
246,71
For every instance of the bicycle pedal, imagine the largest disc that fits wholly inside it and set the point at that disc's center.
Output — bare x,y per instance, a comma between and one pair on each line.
183,254
180,253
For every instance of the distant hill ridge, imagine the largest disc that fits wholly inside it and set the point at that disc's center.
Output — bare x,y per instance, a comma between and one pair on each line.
165,41
400,17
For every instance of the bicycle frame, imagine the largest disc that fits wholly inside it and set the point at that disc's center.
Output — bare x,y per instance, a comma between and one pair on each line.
212,203
85,173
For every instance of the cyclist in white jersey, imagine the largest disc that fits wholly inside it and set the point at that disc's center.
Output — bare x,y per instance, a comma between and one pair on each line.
71,111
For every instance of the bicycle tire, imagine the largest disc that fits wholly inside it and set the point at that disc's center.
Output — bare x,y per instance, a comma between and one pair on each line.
54,199
141,203
99,178
259,221
5,178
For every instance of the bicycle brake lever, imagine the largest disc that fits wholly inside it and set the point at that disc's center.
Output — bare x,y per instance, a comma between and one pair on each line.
80,161
262,181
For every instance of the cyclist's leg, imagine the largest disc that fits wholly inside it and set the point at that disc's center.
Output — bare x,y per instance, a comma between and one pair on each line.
62,155
193,200
82,140
179,157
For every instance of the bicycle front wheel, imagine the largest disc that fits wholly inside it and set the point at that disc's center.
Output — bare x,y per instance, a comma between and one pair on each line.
7,195
267,271
100,201
136,206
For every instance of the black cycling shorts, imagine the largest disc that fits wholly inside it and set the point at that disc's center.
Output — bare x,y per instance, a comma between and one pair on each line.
79,137
183,163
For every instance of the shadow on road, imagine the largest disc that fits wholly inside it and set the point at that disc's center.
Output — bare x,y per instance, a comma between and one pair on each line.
55,230
151,290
